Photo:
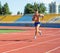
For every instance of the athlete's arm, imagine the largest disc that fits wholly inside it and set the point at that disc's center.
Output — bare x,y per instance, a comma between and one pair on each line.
33,19
42,16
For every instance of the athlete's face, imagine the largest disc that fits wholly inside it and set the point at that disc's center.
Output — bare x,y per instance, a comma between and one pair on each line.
36,12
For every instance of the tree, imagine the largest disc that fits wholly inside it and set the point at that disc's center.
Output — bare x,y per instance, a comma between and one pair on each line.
6,9
42,8
18,12
21,13
3,10
35,6
0,9
28,9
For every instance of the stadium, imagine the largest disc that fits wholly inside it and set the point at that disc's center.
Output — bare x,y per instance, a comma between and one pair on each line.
17,31
50,20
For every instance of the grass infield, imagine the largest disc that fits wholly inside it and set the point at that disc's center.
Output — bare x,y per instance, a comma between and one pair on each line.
10,30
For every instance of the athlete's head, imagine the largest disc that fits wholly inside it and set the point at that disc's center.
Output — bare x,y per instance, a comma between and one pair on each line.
36,11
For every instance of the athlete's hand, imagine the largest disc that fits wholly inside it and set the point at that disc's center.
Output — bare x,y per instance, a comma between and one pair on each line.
42,15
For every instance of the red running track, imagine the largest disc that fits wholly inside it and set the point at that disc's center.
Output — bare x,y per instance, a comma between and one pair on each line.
23,42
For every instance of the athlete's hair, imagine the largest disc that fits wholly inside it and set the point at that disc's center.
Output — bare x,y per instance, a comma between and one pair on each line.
36,10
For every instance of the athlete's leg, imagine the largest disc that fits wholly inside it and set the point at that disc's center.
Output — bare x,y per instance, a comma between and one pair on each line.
36,32
38,29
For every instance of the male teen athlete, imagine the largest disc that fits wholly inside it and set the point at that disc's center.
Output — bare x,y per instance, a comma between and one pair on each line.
37,22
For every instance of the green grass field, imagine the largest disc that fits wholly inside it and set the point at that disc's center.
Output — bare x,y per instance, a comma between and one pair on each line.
9,30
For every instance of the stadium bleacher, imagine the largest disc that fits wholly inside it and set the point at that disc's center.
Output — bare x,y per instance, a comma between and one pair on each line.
54,20
25,18
46,18
9,18
1,17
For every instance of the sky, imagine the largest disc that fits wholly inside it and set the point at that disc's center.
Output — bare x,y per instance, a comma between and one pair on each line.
18,5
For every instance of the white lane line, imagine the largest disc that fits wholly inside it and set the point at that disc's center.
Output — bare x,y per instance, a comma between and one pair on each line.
49,28
19,42
50,35
30,45
53,49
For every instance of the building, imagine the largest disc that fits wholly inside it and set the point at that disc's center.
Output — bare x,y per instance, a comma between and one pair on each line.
54,8
59,9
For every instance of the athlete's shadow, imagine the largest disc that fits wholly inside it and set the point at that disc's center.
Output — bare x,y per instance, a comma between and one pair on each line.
24,40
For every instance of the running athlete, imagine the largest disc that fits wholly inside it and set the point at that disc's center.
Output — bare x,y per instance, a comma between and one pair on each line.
37,22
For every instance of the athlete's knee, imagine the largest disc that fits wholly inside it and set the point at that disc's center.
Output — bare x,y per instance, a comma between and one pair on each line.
36,31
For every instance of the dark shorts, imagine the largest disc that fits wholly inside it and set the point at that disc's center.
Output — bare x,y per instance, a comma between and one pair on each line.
36,23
